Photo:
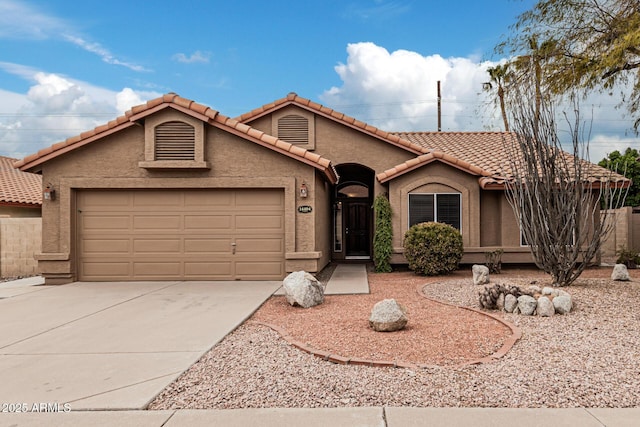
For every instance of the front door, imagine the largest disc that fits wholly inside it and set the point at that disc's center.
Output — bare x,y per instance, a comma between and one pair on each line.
356,215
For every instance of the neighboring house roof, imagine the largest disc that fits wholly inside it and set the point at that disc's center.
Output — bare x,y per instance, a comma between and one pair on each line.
19,188
293,99
192,108
484,154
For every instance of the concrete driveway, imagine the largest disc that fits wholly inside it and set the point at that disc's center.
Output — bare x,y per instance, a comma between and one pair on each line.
113,345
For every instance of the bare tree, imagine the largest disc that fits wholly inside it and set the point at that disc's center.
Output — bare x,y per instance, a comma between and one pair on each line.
555,194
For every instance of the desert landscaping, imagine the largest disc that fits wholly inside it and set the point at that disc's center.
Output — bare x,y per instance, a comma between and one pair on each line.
443,357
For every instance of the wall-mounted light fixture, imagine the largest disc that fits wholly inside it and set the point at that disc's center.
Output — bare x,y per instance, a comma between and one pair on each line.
49,193
303,190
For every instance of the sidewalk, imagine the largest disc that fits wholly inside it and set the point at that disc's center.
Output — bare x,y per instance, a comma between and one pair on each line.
336,417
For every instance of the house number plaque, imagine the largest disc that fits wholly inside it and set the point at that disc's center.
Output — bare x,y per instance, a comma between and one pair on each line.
304,209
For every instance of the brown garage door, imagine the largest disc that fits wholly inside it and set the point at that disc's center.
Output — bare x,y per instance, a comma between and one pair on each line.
180,234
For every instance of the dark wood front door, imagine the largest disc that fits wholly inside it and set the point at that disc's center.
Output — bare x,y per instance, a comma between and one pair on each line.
356,228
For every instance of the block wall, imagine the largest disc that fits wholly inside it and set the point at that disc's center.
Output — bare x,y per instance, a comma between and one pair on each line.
20,240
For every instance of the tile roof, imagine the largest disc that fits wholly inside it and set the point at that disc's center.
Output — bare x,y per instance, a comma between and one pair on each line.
17,187
484,154
207,114
293,98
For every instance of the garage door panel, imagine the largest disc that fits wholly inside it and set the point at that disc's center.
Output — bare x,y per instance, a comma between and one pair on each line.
106,200
164,246
208,222
264,270
101,222
98,270
208,246
219,198
208,269
267,245
259,199
265,222
170,270
106,245
161,223
181,234
158,198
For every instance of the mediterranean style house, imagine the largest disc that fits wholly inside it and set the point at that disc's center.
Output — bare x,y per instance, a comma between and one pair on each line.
174,190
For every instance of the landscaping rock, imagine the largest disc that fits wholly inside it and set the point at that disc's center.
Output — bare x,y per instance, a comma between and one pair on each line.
545,307
480,274
527,305
562,304
302,289
388,316
500,302
620,273
510,303
550,291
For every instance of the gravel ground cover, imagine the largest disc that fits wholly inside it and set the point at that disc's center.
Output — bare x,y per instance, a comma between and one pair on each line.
588,358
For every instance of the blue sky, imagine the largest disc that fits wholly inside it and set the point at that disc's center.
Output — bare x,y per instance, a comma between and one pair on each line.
66,67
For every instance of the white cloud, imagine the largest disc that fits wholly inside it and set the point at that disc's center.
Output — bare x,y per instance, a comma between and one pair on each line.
196,56
57,107
19,20
102,52
397,91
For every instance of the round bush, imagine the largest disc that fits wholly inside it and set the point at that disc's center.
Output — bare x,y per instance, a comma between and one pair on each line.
433,248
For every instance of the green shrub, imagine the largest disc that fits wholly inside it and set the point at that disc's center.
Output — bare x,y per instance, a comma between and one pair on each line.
433,248
629,257
383,237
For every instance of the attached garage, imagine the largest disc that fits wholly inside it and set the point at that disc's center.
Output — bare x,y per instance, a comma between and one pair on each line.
190,234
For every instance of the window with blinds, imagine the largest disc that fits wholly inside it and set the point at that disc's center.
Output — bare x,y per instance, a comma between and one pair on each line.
438,207
294,129
175,141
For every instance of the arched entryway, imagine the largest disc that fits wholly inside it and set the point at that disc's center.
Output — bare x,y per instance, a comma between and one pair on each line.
352,213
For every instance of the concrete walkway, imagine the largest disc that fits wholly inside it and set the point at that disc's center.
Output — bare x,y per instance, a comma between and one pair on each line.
336,417
346,279
113,345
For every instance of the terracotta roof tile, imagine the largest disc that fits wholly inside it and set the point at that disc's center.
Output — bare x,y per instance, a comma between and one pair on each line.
479,153
198,109
17,187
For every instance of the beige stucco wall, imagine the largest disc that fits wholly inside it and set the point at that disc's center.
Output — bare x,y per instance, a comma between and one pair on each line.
19,242
625,233
20,212
344,145
113,162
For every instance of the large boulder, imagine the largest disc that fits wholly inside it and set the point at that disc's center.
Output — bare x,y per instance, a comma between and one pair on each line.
527,305
545,307
480,274
510,303
388,316
620,273
302,289
562,304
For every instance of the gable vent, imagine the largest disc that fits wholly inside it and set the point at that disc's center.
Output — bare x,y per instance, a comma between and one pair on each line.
175,141
293,129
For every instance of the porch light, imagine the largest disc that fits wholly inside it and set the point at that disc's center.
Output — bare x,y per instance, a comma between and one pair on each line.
303,190
49,193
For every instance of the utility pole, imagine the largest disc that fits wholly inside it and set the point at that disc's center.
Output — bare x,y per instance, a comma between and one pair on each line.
439,108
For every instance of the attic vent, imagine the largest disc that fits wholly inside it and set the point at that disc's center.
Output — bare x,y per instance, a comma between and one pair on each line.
175,141
294,129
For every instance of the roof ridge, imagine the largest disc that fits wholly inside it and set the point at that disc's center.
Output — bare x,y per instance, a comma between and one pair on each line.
293,98
172,98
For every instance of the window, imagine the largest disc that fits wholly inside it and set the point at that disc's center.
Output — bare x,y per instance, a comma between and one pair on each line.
439,207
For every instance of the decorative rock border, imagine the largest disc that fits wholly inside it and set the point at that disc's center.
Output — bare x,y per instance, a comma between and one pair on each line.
516,334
